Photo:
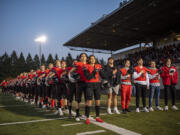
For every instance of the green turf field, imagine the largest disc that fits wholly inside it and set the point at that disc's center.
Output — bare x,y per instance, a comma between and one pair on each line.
160,123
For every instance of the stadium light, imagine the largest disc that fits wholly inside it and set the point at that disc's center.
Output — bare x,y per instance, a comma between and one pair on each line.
42,39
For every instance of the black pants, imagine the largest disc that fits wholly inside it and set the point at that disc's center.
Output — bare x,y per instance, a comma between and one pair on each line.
172,89
58,91
80,89
72,92
140,90
93,89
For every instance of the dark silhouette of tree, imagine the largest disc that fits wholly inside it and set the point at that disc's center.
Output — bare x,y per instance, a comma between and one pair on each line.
36,62
29,62
56,57
5,66
49,59
43,60
13,60
21,64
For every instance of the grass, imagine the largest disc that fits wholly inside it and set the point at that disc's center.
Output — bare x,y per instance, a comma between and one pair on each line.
157,122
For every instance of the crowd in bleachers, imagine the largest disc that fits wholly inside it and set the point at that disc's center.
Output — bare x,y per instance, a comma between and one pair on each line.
157,54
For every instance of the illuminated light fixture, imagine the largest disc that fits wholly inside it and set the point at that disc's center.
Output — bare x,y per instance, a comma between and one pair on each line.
41,39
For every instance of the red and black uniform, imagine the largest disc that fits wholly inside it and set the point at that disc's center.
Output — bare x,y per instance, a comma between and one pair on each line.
4,86
57,93
81,85
169,82
41,84
126,88
18,84
24,90
93,82
50,86
72,88
93,74
37,87
33,83
38,72
63,83
29,84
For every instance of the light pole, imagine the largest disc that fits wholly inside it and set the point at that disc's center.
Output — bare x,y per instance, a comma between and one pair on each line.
40,40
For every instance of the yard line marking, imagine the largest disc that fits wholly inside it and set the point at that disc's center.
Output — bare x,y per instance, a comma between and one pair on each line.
32,121
41,111
65,125
91,132
11,106
113,128
102,114
56,114
50,114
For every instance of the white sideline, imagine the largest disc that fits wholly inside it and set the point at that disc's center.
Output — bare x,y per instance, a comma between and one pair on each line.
65,125
32,121
91,132
113,128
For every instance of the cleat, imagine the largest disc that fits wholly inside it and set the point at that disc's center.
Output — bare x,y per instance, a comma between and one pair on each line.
98,119
60,112
87,121
77,119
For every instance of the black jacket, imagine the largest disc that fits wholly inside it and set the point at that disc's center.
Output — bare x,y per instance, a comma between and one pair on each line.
109,75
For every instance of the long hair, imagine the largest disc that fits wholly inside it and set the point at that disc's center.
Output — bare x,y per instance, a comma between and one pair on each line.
96,62
81,55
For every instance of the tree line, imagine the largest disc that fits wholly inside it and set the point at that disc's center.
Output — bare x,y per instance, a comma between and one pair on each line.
12,65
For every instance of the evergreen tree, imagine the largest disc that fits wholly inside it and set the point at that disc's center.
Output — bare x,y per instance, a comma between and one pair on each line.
43,60
14,59
29,62
36,62
56,57
21,64
5,66
49,59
